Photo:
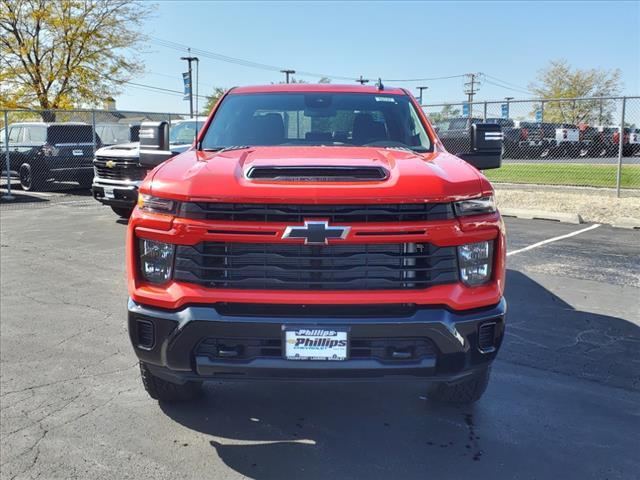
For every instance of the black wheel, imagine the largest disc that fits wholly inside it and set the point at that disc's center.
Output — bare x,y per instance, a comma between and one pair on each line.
627,151
466,391
85,181
30,179
123,212
165,391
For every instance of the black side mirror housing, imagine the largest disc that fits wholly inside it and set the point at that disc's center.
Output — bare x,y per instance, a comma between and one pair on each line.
486,146
154,143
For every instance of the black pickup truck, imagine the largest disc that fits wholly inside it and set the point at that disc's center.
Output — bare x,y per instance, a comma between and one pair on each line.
455,134
41,153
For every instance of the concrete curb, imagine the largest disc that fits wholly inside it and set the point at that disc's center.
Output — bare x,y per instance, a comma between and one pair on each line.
626,222
541,215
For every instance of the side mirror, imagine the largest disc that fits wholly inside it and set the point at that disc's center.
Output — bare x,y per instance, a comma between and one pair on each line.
486,146
154,143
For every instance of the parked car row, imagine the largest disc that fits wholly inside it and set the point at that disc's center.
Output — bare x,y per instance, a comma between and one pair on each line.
523,139
41,154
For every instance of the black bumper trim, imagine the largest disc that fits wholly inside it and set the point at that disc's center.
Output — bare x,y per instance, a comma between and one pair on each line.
454,334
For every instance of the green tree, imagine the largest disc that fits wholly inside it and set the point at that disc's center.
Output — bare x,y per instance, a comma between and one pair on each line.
212,100
447,112
67,53
560,80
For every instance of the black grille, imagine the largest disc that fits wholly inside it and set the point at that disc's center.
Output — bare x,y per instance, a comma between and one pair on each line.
144,333
122,169
255,212
385,349
486,336
318,174
278,266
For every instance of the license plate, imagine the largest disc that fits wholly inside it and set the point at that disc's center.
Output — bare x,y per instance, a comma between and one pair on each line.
108,192
316,344
77,153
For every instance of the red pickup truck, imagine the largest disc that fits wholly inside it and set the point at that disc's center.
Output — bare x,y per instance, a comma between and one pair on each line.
317,232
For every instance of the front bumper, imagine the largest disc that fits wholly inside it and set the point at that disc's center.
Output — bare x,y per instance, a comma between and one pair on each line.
169,340
125,194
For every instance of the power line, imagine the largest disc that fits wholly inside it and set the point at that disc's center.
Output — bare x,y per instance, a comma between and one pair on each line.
495,84
159,89
276,68
507,83
240,61
279,68
424,79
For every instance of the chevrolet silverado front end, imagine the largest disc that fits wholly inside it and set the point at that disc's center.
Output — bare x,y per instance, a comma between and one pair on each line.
316,232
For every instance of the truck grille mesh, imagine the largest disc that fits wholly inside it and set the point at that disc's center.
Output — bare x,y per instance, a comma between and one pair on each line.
277,266
250,212
122,169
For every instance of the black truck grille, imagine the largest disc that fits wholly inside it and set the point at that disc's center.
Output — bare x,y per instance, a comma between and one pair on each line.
254,212
120,169
277,266
385,349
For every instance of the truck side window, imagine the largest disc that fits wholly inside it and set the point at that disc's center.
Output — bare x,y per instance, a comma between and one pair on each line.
35,135
14,134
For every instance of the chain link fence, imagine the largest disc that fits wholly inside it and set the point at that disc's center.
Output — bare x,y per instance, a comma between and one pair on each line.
569,142
47,156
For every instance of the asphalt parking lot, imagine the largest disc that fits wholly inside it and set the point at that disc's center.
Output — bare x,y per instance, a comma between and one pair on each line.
564,401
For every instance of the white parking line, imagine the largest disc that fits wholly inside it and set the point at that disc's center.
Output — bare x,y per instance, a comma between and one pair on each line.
554,239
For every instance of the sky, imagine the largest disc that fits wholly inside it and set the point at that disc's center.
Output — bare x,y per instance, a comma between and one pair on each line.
509,42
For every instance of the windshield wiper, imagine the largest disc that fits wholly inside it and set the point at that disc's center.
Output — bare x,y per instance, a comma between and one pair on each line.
407,148
225,149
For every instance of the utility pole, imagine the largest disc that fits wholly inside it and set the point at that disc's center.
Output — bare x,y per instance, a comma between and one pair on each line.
190,59
471,87
420,89
287,73
362,80
508,99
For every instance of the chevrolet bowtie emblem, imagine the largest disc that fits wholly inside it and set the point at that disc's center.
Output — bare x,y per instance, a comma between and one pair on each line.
110,164
316,232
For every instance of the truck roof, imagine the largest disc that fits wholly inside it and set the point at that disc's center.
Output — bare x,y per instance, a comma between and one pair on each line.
318,87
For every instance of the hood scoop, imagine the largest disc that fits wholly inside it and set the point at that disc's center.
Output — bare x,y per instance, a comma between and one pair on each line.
320,173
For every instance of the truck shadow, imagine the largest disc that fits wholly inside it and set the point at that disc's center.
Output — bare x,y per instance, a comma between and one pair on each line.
275,430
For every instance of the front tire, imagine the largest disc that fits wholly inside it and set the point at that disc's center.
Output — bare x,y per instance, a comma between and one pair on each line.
123,212
85,181
469,390
30,179
165,391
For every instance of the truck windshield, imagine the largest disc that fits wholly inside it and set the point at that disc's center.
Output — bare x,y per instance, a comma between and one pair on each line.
347,119
184,132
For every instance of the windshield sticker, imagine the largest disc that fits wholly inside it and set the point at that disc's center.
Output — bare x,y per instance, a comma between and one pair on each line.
386,99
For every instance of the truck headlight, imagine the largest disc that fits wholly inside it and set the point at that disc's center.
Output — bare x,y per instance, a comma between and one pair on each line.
149,203
475,206
474,260
156,260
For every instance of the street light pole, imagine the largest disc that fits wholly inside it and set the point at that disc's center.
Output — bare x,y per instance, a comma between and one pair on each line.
287,73
420,89
190,59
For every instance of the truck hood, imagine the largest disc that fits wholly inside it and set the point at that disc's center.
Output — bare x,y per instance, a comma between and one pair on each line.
409,177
